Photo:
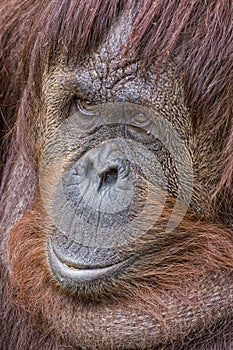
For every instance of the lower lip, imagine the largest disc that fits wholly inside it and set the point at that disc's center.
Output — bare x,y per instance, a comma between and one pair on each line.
80,275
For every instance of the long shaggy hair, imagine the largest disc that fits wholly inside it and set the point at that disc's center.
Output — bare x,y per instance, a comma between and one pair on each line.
192,268
33,35
34,32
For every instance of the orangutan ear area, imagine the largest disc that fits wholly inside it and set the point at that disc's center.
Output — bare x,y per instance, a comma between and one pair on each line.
116,175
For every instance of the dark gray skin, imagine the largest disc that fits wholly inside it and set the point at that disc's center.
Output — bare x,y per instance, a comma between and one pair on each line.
105,316
104,77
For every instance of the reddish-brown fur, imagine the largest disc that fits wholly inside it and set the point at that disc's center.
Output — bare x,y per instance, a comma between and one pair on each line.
32,35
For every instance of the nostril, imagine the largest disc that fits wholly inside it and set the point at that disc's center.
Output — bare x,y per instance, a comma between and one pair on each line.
108,178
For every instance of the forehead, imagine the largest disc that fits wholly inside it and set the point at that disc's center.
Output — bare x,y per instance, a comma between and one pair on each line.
108,73
102,71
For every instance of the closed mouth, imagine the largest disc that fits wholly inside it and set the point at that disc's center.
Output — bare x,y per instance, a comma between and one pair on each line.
79,273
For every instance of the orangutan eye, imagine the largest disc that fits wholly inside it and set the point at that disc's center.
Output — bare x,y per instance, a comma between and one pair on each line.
85,107
86,114
140,120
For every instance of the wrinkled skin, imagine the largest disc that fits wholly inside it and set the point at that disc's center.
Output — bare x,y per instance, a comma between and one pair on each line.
155,293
